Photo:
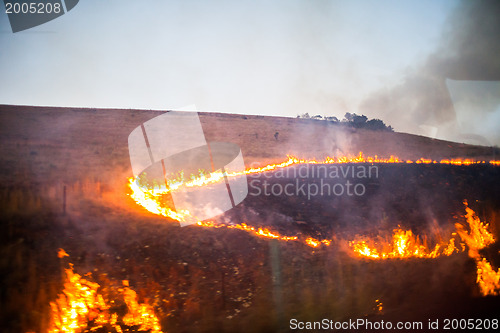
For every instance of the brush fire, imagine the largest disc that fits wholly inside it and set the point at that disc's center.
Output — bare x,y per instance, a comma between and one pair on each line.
403,243
87,306
81,307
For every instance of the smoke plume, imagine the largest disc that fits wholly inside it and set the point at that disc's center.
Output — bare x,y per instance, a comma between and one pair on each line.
469,51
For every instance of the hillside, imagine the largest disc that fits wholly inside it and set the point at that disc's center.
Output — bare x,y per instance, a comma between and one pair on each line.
45,144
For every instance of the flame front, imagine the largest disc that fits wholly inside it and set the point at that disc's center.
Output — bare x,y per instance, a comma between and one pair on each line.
487,279
80,307
261,232
139,313
404,244
478,237
152,200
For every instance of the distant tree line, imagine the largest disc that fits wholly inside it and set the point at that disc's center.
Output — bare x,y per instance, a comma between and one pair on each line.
352,120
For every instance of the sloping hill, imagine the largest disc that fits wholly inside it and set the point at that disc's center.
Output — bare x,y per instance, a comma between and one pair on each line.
42,144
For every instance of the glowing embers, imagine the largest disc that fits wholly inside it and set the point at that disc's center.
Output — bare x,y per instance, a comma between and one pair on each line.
81,307
403,244
312,242
260,232
379,306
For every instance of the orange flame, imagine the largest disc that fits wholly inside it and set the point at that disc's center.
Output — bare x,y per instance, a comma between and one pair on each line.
477,238
404,244
61,254
379,306
203,179
139,313
262,232
150,199
487,278
80,306
312,242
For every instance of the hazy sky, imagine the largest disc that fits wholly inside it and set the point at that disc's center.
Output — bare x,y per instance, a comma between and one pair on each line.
254,57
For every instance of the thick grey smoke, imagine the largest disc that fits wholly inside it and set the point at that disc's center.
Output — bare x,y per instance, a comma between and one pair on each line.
469,51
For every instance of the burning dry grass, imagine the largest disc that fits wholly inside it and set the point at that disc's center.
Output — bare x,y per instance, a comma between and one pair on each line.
477,238
475,235
81,307
308,290
402,245
147,194
309,299
312,283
